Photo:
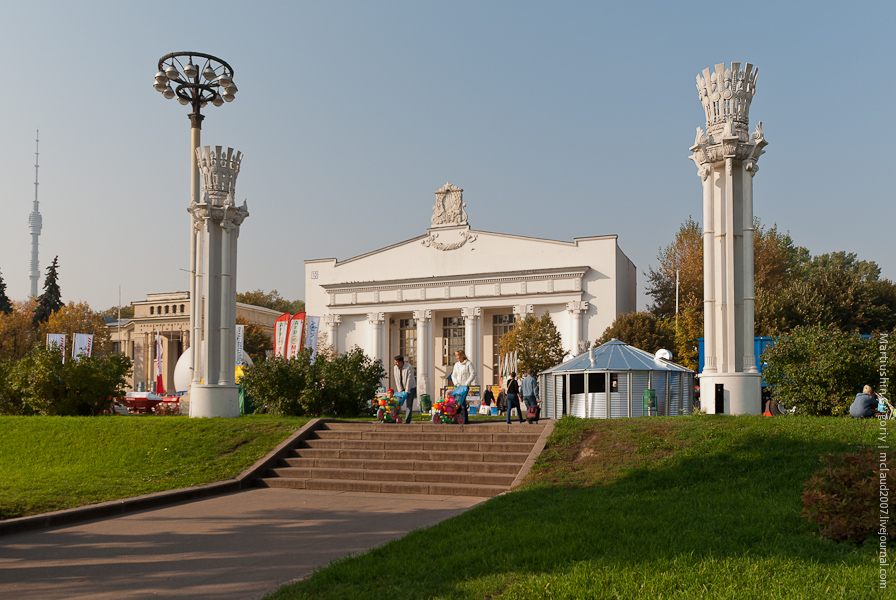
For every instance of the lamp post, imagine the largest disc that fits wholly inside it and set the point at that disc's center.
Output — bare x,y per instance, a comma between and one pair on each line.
208,79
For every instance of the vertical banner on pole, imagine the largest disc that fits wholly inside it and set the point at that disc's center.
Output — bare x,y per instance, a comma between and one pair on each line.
57,339
160,385
281,333
82,344
296,335
313,325
240,336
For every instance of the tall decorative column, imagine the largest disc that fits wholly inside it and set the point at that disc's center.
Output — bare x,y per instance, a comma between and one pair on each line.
726,156
216,223
424,349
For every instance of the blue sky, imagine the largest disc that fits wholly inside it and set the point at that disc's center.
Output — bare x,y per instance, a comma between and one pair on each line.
559,120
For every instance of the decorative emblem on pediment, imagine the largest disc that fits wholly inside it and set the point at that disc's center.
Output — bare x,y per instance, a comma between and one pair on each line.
449,208
430,241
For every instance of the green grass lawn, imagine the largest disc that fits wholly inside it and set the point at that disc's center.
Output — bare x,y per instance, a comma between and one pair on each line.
51,463
662,508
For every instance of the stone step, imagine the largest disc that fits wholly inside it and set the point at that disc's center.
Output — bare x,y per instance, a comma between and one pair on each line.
397,465
385,487
439,456
403,475
421,426
324,434
416,445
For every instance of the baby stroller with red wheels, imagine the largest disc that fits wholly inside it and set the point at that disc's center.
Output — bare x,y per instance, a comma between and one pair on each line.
453,409
389,407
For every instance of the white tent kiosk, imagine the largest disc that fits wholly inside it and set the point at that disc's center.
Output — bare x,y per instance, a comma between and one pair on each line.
609,381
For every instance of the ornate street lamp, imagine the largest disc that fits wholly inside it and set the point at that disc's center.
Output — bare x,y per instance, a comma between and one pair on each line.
195,79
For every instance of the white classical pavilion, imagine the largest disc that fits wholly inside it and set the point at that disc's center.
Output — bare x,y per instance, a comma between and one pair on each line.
454,287
726,157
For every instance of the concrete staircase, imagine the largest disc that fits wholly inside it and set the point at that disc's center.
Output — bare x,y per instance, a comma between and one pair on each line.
480,459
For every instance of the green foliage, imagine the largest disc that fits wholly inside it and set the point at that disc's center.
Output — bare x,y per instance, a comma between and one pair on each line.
536,341
52,463
17,336
642,330
5,304
668,508
830,289
685,255
843,497
40,384
51,300
820,369
126,312
342,385
272,300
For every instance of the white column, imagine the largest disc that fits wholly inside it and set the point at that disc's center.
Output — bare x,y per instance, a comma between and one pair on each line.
376,321
750,170
332,322
227,320
196,304
709,304
424,350
472,341
575,309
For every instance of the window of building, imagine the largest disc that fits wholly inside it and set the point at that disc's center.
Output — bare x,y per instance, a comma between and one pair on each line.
597,382
152,310
452,338
181,308
166,309
407,340
501,324
159,309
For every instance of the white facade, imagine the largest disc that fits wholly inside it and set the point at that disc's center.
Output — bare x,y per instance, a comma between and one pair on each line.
454,286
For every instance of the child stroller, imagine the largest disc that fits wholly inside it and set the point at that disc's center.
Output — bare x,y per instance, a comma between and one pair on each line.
389,407
453,408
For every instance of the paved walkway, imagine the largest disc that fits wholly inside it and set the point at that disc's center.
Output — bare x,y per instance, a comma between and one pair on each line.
233,547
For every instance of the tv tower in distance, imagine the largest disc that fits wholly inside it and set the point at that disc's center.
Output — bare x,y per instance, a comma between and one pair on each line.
35,222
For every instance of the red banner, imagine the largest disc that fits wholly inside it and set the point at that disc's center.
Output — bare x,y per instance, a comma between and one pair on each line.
281,334
296,335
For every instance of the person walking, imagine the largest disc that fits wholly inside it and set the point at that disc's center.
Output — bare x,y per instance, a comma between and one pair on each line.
513,397
405,382
529,389
463,375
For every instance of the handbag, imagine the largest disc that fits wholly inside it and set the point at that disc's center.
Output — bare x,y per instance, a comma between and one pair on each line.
484,409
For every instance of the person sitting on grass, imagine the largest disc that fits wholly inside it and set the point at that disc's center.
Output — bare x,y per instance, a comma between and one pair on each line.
865,405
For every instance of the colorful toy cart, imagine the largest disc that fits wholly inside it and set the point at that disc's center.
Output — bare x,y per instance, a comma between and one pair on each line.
451,409
388,409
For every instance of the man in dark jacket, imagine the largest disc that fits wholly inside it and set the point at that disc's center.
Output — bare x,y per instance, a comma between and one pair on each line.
864,406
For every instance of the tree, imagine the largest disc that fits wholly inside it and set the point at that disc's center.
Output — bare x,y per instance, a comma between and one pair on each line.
17,336
536,342
836,290
78,318
127,312
271,300
256,341
819,369
51,300
641,330
685,255
5,304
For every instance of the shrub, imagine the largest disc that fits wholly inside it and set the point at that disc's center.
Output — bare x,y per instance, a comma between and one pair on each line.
40,383
340,385
842,498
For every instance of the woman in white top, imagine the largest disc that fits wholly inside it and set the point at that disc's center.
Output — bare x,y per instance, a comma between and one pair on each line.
463,374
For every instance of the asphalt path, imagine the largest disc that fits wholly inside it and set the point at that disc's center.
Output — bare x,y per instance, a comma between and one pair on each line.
238,546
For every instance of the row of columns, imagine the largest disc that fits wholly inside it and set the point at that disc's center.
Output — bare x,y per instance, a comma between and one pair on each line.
472,319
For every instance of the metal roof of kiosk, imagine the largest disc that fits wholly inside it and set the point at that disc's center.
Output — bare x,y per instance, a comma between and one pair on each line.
609,382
